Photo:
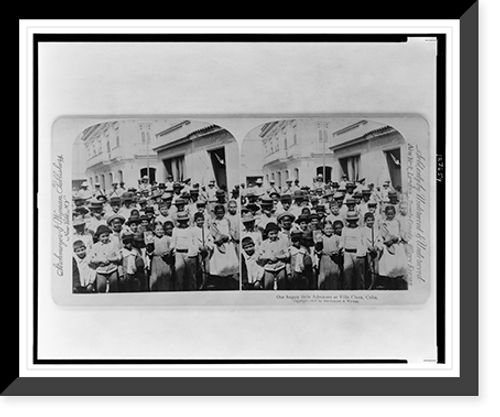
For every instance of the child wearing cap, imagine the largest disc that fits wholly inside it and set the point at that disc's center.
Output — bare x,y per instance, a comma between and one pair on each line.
328,250
186,250
266,214
161,255
105,257
273,256
354,246
249,229
81,232
374,249
202,240
96,217
300,263
129,280
83,275
393,264
252,273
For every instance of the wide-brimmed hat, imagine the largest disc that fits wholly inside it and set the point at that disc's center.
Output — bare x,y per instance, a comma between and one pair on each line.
102,229
350,201
247,218
352,216
149,209
270,227
132,219
302,218
286,197
95,205
266,201
78,221
115,200
127,237
338,195
180,201
115,217
128,196
285,215
298,194
253,207
182,216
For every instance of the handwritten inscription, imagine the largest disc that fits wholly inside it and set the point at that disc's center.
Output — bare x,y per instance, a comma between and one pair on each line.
417,208
60,215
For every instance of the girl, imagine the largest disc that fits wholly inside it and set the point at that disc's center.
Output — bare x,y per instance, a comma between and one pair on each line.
105,258
393,265
224,262
273,255
328,249
160,253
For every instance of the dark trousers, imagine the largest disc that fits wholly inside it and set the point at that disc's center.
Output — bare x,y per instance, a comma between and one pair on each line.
271,277
354,271
110,279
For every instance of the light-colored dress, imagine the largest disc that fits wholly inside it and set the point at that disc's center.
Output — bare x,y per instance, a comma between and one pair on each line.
393,261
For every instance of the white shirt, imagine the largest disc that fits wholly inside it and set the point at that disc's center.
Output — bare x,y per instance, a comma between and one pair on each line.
87,274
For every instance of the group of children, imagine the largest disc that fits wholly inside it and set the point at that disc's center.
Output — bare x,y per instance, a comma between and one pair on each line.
150,241
325,240
170,239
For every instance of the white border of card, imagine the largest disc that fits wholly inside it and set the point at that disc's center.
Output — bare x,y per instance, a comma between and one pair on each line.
418,169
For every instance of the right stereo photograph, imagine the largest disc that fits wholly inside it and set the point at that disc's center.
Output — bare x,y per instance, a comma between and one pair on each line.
326,205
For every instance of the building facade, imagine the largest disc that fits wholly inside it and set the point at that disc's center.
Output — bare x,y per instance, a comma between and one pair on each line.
200,152
372,151
120,151
296,149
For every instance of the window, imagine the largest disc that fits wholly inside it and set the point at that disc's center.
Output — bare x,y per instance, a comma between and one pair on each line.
120,176
117,140
350,167
394,166
175,167
151,175
296,173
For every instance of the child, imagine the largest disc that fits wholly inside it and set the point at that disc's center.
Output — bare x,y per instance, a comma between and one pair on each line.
252,272
393,264
202,242
335,214
115,223
354,245
160,253
374,248
105,257
300,263
338,226
81,233
273,255
311,260
249,229
83,275
234,220
131,225
267,214
164,213
129,281
96,217
142,262
303,222
328,250
185,249
224,262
